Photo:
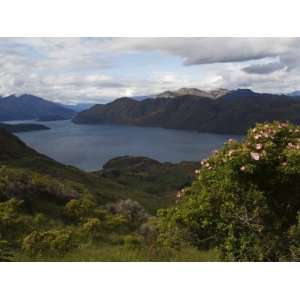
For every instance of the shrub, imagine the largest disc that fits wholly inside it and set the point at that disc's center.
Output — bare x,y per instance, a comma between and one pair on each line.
13,223
93,228
245,198
132,210
149,230
49,243
27,185
76,210
294,242
116,222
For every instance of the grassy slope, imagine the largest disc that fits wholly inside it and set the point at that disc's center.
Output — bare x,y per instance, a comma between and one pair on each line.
156,183
108,253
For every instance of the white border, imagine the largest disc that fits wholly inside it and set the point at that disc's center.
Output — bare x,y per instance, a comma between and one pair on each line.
149,281
138,18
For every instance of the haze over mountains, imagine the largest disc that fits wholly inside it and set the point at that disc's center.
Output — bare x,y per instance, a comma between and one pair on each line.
295,94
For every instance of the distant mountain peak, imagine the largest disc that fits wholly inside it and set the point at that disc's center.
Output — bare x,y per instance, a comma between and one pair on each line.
294,93
241,92
29,107
213,94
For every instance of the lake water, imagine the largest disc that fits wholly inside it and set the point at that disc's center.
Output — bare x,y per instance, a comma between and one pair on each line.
89,146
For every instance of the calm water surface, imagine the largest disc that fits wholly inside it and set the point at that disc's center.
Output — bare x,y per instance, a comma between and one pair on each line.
89,146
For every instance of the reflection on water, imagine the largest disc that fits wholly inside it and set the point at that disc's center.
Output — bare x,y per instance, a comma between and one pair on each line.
90,146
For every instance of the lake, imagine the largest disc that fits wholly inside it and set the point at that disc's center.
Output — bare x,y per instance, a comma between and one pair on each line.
88,147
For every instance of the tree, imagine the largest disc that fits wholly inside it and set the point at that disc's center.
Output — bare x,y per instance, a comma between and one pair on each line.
245,199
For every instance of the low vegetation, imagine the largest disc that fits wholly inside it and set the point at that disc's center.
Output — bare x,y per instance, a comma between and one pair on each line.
49,211
241,204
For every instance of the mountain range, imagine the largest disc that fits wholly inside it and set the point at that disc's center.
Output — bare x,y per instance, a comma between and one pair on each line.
216,111
231,112
29,107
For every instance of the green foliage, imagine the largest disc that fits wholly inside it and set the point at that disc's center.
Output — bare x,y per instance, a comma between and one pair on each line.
76,210
121,253
294,242
49,243
13,223
49,211
245,199
5,252
116,222
133,241
152,183
31,187
93,228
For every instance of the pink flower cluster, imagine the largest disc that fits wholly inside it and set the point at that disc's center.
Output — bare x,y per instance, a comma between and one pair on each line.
206,164
180,193
255,155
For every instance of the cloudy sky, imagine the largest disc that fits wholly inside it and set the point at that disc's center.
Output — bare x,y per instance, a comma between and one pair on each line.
72,70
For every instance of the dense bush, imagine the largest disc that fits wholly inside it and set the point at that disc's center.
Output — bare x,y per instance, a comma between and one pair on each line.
49,243
132,210
93,228
245,199
13,223
29,185
77,209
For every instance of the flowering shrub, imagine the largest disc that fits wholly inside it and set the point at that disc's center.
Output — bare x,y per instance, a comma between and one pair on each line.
93,228
49,243
77,209
13,222
245,199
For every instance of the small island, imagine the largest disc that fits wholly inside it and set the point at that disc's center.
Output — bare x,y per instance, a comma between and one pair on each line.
14,128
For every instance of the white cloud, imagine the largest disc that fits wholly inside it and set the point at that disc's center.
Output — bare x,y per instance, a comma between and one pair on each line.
211,50
95,69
